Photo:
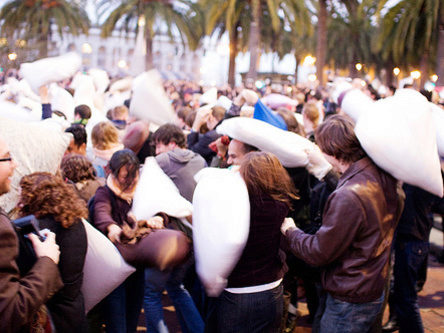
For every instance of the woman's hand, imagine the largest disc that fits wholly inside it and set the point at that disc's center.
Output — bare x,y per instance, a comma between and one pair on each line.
155,222
48,248
114,232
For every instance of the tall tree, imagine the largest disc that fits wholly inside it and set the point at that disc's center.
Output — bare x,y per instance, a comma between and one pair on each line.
33,21
412,34
180,18
321,46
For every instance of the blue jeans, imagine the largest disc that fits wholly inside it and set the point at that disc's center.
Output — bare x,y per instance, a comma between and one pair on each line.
122,307
409,258
250,313
171,280
345,317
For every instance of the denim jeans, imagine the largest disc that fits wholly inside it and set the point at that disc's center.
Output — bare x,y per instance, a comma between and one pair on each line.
409,258
171,280
250,313
345,317
122,307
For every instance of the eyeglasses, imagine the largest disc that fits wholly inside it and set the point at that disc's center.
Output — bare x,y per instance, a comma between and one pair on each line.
6,159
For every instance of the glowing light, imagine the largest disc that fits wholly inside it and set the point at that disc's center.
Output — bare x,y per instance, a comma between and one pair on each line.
12,56
415,75
122,64
358,66
363,83
434,77
20,42
86,48
3,41
203,70
259,84
289,90
141,21
312,77
396,71
309,60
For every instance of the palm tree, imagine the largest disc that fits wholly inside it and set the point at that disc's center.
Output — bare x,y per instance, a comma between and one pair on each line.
32,20
412,33
180,18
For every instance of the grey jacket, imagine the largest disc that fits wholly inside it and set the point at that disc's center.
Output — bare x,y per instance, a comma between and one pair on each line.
181,165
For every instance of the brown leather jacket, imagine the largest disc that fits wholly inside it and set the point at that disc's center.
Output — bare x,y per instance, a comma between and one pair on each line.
21,297
354,241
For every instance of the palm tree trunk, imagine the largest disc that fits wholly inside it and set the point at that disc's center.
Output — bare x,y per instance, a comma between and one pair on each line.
296,69
424,68
321,41
149,64
440,56
254,39
233,54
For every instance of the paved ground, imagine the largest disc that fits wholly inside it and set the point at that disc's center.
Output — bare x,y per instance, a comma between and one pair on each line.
431,298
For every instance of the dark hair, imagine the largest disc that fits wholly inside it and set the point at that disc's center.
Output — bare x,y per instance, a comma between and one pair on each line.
184,112
83,111
169,133
336,137
79,133
189,120
128,158
45,194
264,174
77,168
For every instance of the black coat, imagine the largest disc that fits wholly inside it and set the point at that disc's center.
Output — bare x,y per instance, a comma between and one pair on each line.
67,306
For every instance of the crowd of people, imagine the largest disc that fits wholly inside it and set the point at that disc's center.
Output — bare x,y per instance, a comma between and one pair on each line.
353,237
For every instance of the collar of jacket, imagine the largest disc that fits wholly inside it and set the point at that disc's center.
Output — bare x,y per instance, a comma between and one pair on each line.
354,168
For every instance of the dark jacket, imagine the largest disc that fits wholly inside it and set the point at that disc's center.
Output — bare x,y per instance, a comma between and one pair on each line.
356,234
67,306
261,261
181,165
22,296
199,144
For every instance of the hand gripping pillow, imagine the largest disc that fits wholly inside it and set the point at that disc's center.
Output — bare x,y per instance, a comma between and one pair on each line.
47,70
399,135
104,268
35,147
149,101
156,193
287,146
221,223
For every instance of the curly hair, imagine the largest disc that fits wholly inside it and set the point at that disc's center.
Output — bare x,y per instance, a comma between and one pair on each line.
45,194
77,168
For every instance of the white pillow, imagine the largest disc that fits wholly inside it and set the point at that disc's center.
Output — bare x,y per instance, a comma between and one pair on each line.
85,91
399,135
221,223
104,268
438,119
35,147
156,193
287,146
149,101
355,103
100,78
47,70
62,100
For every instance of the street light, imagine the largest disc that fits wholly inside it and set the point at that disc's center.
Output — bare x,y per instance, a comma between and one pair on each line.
415,74
434,77
122,64
358,66
312,77
396,71
86,48
12,56
309,60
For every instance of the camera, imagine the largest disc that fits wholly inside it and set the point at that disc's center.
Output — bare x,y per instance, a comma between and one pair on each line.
28,224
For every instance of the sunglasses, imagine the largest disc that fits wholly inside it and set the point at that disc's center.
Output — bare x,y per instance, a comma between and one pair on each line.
6,159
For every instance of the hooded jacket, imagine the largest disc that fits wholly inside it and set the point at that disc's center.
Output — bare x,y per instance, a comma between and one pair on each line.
181,165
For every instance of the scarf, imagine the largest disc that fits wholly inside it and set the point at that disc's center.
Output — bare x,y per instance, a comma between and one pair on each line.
107,153
113,185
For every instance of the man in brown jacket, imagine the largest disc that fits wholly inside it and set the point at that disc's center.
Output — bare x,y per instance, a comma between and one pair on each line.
22,296
353,243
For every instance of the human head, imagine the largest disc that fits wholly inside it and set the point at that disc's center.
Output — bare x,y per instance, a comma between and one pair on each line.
237,151
264,174
182,115
216,115
82,113
120,112
6,168
136,135
78,143
167,137
336,138
124,166
104,135
290,121
76,168
311,113
45,194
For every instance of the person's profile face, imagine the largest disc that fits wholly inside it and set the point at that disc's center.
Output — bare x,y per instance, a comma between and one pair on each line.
7,166
236,152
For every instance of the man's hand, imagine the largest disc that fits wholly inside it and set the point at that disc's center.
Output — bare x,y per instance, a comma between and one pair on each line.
250,96
317,165
287,224
201,117
48,248
155,222
114,232
44,94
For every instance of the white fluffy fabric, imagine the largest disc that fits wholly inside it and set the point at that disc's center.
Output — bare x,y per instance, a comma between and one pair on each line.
47,70
35,147
221,222
156,193
104,267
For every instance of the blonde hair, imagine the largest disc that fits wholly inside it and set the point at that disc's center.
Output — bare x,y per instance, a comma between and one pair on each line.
104,135
311,111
